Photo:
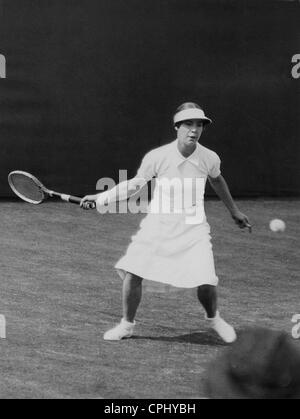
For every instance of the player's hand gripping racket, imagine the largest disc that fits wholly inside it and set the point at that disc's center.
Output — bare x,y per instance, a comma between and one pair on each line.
30,189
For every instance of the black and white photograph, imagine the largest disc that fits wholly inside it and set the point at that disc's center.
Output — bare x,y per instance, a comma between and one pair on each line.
150,202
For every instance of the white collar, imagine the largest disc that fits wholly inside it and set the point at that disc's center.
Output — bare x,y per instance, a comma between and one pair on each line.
179,158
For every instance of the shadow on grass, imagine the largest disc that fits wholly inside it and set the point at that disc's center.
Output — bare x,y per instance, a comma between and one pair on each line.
196,338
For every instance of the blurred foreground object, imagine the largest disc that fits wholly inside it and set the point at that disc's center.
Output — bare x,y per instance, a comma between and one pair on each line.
261,364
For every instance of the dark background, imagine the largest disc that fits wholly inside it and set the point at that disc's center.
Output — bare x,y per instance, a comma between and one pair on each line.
91,86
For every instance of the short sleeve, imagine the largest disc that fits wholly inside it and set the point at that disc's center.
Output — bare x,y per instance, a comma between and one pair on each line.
215,166
147,169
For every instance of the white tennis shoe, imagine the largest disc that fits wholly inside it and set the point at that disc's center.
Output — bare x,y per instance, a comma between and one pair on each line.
222,328
123,330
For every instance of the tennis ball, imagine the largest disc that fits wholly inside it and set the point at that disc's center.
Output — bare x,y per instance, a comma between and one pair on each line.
278,226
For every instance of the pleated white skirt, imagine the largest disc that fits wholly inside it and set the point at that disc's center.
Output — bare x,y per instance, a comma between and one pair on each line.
167,250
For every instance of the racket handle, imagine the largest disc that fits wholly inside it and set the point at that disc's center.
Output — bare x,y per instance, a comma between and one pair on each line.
75,200
70,198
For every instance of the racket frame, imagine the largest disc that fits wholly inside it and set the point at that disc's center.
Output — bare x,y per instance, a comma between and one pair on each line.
45,191
41,187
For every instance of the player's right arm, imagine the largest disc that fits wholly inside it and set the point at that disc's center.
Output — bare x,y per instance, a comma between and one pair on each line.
120,192
126,189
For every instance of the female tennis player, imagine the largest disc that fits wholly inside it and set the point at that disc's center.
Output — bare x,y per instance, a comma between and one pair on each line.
174,246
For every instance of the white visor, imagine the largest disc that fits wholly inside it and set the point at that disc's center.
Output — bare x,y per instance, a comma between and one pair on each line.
193,113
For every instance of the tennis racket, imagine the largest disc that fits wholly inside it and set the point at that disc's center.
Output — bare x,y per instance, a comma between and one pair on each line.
30,189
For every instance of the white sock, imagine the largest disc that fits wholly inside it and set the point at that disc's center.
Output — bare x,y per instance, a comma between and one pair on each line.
127,323
213,319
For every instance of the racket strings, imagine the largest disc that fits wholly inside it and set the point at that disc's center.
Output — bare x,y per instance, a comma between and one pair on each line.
27,188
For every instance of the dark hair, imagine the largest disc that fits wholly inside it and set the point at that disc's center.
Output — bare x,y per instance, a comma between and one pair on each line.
261,364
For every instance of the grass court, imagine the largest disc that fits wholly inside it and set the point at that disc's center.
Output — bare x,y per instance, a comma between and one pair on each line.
60,293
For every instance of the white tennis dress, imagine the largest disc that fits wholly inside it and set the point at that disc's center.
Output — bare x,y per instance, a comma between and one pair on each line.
173,244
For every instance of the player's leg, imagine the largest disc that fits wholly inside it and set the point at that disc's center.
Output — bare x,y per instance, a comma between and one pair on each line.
132,294
207,295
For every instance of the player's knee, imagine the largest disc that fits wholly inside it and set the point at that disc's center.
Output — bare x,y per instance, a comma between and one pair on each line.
133,280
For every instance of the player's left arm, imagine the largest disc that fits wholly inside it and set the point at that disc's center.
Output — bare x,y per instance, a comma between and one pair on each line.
221,188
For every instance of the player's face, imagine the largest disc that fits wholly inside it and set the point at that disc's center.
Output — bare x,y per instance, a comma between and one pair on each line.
190,132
